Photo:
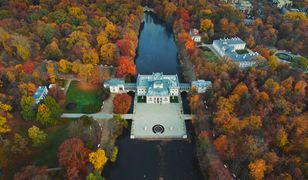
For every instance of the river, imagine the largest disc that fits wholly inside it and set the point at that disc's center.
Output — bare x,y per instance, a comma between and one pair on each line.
155,160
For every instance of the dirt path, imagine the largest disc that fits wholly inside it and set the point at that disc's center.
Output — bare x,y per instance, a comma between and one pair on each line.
216,166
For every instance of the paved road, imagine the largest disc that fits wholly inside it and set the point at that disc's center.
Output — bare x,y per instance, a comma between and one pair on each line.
95,115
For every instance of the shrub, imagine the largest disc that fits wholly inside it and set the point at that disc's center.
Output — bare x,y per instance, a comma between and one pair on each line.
114,154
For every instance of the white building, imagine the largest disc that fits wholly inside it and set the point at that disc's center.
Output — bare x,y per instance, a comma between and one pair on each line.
115,85
283,3
40,93
201,85
195,36
243,5
234,48
158,88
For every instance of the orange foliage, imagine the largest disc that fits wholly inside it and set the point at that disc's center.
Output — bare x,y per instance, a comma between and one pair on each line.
240,89
194,101
257,169
221,144
121,103
125,67
183,37
190,46
264,96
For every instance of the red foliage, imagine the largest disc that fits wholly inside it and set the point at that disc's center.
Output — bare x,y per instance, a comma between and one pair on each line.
121,103
183,14
73,156
126,47
125,67
28,67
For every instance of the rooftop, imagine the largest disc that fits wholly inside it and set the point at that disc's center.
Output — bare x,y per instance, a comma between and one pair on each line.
39,92
115,82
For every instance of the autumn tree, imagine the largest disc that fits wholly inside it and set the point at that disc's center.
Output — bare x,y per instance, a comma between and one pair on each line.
190,46
127,48
98,76
109,52
206,25
126,67
27,89
281,138
28,67
194,101
28,105
111,30
169,9
90,56
49,111
98,159
37,136
121,103
257,169
50,66
4,127
102,38
52,51
240,89
64,66
73,156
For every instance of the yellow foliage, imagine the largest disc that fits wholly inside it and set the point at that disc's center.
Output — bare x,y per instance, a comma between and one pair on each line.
27,89
107,52
75,11
169,9
64,66
4,128
10,76
273,62
5,107
90,56
98,159
206,24
51,71
102,38
296,16
43,111
111,30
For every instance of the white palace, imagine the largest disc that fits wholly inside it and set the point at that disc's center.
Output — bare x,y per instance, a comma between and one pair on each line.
157,87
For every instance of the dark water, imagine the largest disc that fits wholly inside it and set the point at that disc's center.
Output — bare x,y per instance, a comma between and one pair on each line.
152,160
157,50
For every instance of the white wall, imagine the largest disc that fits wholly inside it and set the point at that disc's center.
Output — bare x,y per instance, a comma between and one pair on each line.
158,99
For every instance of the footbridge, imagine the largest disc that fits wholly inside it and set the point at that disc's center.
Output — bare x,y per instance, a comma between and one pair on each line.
130,87
185,87
147,9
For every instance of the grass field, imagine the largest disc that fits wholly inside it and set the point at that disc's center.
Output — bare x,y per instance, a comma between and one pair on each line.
82,98
209,55
242,51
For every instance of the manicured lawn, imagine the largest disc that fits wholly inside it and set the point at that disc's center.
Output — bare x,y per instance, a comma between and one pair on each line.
48,153
242,51
82,98
209,55
174,99
140,100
